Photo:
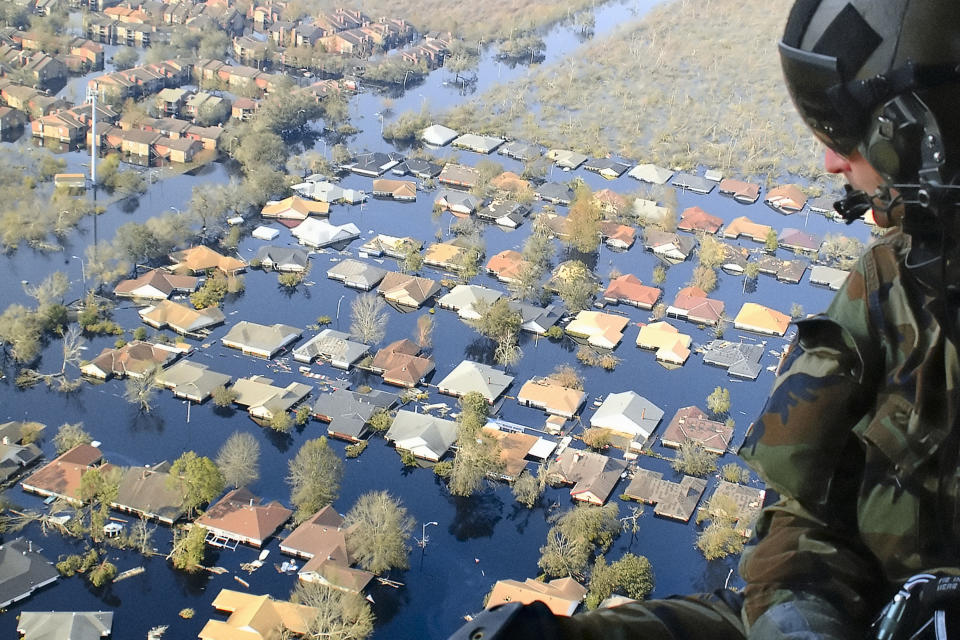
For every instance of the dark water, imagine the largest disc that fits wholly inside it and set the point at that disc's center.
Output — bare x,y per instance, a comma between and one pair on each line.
478,540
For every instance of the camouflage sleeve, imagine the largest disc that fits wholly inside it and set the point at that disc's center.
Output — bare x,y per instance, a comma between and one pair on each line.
804,448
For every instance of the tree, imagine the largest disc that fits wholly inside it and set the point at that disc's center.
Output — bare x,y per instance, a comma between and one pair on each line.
634,576
596,438
125,58
704,278
582,227
722,537
424,332
732,472
575,536
378,535
70,435
411,260
197,478
224,396
341,615
659,274
140,390
22,329
566,376
719,401
771,243
693,459
603,581
577,291
281,422
239,459
711,251
478,454
528,488
796,311
368,318
188,548
314,478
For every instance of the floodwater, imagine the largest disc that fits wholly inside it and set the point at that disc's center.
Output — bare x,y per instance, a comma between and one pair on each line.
477,541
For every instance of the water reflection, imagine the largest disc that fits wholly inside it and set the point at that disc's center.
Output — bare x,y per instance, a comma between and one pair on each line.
476,516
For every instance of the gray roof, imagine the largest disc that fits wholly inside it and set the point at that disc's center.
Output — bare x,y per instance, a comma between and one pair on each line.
555,192
15,457
742,360
250,336
145,490
65,625
438,135
628,412
191,380
504,212
459,198
536,319
480,144
521,151
693,183
357,274
828,276
474,376
283,258
375,163
22,570
334,346
424,435
590,472
418,167
606,165
822,204
464,297
349,411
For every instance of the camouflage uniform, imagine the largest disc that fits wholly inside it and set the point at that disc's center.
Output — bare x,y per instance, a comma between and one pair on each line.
856,439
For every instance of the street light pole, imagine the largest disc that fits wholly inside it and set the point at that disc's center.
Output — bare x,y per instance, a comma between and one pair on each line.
422,542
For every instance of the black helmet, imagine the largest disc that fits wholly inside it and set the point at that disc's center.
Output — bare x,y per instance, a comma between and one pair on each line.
881,77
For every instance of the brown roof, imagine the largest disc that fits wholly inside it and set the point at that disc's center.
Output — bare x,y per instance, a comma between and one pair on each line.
240,512
134,358
629,288
158,279
696,219
676,500
513,449
407,289
62,476
740,190
616,231
743,225
561,595
694,424
509,181
401,364
611,200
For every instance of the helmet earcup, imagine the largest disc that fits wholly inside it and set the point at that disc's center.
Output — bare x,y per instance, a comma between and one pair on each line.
892,143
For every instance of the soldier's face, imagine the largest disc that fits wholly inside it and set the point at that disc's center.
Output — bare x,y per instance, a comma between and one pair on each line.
861,175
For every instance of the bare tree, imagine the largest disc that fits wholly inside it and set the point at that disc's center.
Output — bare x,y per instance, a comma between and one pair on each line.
70,435
379,532
239,459
424,333
72,348
140,390
368,318
340,615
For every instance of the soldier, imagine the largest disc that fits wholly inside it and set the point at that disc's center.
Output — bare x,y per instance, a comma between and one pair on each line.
860,435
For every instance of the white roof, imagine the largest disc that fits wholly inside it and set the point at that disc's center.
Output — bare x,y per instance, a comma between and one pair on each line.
650,173
265,233
628,412
475,376
463,297
320,233
542,449
438,135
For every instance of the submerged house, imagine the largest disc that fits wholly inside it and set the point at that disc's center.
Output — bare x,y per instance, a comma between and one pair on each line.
282,259
332,346
423,435
155,284
242,517
785,199
294,208
260,340
191,380
61,477
135,359
65,625
693,305
552,397
760,319
401,364
407,290
671,346
696,219
322,541
23,570
320,233
592,475
348,412
357,274
692,423
264,401
201,259
671,247
629,414
465,298
256,617
739,359
603,330
561,595
742,192
147,493
181,318
469,376
650,173
674,500
629,289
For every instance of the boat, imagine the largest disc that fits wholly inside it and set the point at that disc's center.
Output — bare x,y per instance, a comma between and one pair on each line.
263,555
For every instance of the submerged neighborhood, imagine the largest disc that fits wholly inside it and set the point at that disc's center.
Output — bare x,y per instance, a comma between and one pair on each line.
252,394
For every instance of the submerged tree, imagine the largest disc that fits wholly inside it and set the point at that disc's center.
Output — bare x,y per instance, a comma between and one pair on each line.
239,459
378,535
693,459
340,615
478,454
314,478
368,318
197,478
70,435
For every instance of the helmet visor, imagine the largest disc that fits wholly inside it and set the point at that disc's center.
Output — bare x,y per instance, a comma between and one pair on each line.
815,84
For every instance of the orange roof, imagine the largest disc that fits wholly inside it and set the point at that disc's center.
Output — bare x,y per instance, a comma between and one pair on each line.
397,188
509,181
442,253
550,396
611,200
514,448
202,257
616,231
400,363
757,317
562,595
506,264
666,340
744,226
294,208
631,289
602,329
787,197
